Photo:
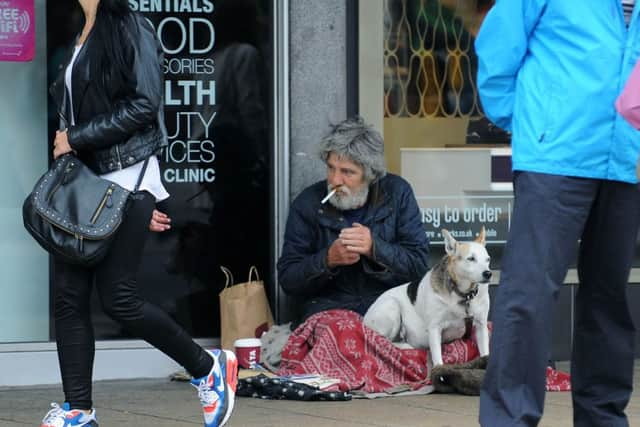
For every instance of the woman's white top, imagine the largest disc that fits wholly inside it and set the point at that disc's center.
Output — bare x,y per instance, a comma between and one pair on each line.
151,181
127,177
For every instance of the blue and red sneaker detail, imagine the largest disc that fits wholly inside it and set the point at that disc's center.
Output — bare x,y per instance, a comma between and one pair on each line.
63,416
217,390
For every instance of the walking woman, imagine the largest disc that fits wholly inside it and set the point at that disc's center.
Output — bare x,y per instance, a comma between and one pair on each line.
110,95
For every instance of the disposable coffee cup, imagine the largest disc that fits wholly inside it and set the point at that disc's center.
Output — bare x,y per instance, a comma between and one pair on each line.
248,352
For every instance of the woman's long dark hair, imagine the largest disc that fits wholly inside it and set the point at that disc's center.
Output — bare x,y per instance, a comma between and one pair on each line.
107,56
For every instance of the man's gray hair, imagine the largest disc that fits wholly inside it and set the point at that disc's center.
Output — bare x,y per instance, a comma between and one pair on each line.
358,142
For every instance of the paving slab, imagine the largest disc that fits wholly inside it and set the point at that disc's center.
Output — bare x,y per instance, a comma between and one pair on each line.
163,403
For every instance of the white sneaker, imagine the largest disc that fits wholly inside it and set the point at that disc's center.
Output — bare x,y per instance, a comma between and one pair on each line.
65,417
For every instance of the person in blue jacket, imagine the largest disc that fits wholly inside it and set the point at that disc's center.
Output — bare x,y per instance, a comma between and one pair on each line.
366,238
549,72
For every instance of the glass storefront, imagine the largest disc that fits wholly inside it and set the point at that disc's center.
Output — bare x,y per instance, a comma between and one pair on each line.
217,107
435,133
219,60
24,286
425,101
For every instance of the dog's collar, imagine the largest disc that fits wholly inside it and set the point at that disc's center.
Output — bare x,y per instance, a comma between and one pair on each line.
466,296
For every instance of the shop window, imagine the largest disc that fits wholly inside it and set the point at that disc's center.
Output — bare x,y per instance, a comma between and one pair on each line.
217,167
24,306
429,59
436,135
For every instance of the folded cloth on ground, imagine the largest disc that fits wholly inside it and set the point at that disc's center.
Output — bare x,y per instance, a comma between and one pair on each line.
259,370
273,341
336,344
281,388
558,380
318,381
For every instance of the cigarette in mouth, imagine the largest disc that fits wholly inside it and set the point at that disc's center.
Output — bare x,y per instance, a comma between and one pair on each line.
328,196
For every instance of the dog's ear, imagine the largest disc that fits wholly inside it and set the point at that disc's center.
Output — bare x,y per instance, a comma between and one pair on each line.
449,242
481,237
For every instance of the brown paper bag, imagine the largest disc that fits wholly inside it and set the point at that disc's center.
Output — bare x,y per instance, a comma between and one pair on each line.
244,309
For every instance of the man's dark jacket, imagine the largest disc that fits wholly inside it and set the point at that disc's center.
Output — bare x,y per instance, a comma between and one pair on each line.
400,248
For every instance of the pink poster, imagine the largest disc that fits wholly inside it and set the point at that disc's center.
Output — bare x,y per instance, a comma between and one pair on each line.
17,30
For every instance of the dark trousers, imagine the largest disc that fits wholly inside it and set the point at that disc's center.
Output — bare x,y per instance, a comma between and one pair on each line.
115,282
551,213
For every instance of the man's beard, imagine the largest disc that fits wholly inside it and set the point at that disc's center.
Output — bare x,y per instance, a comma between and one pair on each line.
345,199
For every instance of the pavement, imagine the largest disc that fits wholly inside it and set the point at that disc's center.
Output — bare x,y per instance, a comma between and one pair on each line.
163,403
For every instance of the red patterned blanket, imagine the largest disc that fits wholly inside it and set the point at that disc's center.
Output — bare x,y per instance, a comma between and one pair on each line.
336,344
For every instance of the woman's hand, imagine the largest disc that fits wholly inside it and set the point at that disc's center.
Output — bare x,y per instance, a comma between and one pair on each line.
159,222
61,144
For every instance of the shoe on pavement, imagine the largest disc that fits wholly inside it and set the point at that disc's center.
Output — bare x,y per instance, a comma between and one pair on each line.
63,416
217,390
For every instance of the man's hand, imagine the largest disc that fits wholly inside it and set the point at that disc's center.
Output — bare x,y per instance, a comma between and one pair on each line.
338,254
159,222
357,239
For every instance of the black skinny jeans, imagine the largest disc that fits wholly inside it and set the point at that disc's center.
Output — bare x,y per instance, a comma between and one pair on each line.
115,281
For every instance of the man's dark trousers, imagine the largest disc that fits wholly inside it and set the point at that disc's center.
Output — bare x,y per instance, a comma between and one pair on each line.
551,214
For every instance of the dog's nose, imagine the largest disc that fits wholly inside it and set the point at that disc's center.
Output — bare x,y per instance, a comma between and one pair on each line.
486,274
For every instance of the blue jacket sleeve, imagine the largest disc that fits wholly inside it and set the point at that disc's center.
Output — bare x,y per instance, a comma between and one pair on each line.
405,258
301,269
501,46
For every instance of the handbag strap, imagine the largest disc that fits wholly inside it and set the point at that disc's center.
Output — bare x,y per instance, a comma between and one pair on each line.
144,169
228,275
253,270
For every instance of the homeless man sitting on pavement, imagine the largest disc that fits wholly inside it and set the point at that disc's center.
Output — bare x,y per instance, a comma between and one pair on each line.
365,240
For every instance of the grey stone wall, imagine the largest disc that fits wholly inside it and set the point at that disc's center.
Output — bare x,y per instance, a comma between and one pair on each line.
318,95
317,84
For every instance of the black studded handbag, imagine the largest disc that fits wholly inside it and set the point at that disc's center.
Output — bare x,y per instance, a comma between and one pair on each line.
73,213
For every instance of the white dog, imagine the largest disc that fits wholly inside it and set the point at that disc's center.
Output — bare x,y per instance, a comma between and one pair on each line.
434,310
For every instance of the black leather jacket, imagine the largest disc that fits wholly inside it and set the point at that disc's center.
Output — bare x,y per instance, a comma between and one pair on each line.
107,135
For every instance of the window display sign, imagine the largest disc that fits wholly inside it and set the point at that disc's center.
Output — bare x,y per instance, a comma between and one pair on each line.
461,190
436,135
17,30
187,36
464,216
